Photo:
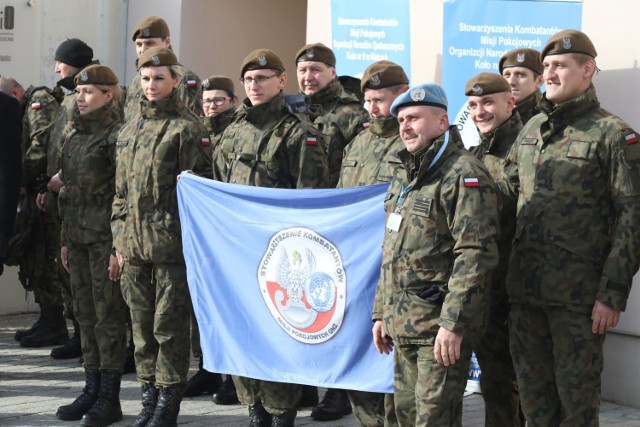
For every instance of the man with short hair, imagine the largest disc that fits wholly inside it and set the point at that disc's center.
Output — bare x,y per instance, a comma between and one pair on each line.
523,70
268,145
438,256
491,105
153,31
338,114
577,242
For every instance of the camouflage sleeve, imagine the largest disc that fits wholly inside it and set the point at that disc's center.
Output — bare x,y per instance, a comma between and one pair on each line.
471,205
623,259
195,151
190,93
39,118
306,157
62,208
119,205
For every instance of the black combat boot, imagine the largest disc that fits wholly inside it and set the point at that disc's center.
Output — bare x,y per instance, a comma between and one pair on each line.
309,396
284,420
52,330
335,404
107,408
72,348
149,402
21,333
226,394
85,401
167,409
258,416
203,382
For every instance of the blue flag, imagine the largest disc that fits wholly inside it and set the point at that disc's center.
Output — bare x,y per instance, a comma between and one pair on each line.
283,281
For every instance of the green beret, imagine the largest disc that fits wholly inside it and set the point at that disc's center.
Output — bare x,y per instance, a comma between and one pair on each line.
568,41
151,27
528,58
218,83
316,52
261,59
96,75
156,57
383,74
485,84
425,94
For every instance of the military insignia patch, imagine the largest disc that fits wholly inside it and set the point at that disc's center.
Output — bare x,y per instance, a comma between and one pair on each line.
375,80
477,90
631,138
146,32
520,57
303,284
206,83
262,60
471,182
155,60
566,42
309,53
417,94
84,76
312,140
205,142
35,106
192,83
421,206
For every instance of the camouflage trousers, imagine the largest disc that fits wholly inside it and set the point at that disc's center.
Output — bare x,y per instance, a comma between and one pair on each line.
558,362
158,298
277,398
426,392
498,379
98,306
373,409
196,350
58,287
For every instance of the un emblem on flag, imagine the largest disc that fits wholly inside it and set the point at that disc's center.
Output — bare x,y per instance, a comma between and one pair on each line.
303,283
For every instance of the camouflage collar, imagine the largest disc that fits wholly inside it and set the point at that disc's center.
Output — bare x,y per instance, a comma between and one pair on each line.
384,127
217,124
417,164
502,138
97,119
170,107
262,114
572,108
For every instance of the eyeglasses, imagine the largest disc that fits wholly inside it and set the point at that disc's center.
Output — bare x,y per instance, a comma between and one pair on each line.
257,79
217,101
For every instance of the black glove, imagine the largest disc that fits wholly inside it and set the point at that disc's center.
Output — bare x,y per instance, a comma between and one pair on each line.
41,183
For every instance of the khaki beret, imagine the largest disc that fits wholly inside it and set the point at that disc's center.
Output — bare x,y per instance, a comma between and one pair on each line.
383,74
218,83
485,84
316,52
568,41
528,58
429,94
96,75
261,59
156,57
151,27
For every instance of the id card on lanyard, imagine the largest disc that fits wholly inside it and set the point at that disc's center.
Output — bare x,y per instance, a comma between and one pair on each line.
395,219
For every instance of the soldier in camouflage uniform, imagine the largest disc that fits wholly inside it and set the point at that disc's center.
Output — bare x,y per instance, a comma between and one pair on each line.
371,158
161,141
269,146
523,70
577,241
219,105
491,106
338,114
439,251
71,56
153,31
88,171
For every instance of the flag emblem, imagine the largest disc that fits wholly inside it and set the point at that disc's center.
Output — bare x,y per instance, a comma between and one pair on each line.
303,283
631,138
312,140
35,106
192,83
471,182
205,142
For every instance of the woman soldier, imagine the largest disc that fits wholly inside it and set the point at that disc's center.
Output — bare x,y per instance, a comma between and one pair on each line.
159,142
88,171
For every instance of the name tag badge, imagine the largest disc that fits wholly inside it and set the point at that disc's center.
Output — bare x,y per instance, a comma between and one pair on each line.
394,221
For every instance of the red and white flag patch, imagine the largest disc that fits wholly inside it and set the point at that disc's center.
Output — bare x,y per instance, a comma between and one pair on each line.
366,125
312,140
631,138
471,182
192,83
205,142
36,106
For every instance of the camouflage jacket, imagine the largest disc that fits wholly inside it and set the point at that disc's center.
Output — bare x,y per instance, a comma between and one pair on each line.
577,237
493,151
529,107
216,125
164,140
340,117
371,158
266,146
189,93
40,108
436,266
88,172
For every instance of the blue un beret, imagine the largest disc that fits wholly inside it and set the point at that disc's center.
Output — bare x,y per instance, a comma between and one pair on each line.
424,94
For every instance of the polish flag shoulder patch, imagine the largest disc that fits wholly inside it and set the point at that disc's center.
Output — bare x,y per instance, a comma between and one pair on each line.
205,142
312,140
192,83
36,106
366,125
631,138
471,182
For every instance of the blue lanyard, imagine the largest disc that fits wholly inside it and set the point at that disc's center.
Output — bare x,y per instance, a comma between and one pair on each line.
404,190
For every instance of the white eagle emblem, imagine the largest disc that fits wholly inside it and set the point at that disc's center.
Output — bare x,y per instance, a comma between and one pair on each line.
309,53
155,60
477,89
520,57
206,83
375,80
262,60
292,275
146,32
566,42
84,76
